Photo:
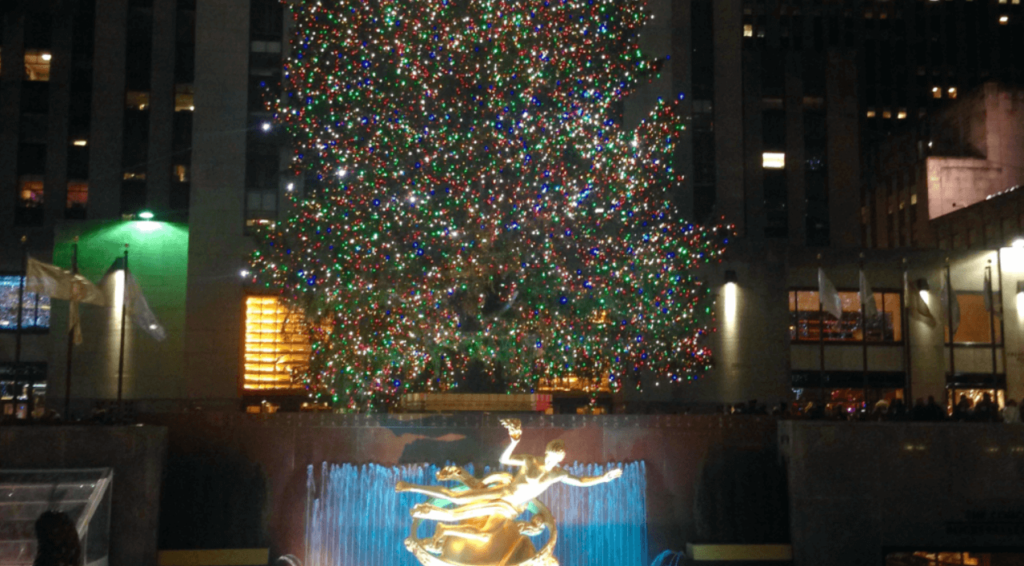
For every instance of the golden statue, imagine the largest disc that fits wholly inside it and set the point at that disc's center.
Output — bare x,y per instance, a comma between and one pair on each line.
481,528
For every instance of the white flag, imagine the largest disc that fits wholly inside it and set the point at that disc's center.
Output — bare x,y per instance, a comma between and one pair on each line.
828,296
52,281
867,297
916,305
950,308
139,309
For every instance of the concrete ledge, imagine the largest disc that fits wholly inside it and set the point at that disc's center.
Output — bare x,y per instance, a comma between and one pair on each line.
739,552
219,557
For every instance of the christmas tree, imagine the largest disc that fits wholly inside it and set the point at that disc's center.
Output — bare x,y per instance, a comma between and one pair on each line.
475,208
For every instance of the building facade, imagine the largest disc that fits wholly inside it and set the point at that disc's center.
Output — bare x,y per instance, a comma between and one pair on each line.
112,107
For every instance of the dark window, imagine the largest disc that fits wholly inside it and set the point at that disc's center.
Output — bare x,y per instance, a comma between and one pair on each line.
774,130
31,159
775,201
35,97
139,48
266,19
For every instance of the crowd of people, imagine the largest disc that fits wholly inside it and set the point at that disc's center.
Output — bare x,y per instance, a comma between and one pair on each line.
984,411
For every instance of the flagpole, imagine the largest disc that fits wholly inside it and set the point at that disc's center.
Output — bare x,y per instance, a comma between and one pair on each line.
992,326
949,319
124,314
863,330
821,341
1002,311
71,337
905,325
21,302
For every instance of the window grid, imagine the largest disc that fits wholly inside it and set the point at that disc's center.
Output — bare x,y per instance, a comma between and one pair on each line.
276,345
35,314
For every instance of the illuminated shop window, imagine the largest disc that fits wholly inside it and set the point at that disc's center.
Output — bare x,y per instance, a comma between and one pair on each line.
35,313
37,65
805,318
276,344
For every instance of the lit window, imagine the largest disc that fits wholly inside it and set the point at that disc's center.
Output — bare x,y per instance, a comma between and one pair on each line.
35,310
773,160
78,194
134,176
30,191
913,198
975,326
805,318
1004,20
276,344
136,100
952,92
80,143
871,112
936,92
184,98
902,114
886,113
37,65
748,30
181,173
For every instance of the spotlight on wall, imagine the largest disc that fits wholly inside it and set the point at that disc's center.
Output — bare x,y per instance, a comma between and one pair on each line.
922,288
730,276
730,296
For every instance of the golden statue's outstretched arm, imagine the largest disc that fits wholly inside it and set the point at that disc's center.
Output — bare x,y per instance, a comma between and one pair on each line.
515,432
586,482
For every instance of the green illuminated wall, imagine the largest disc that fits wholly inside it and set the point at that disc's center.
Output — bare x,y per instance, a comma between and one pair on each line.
158,258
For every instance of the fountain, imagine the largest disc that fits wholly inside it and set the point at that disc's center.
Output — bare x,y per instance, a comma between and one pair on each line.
355,518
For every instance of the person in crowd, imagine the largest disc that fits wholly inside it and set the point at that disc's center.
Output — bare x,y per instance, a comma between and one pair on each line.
934,411
57,540
898,411
1011,413
962,411
881,410
920,410
986,411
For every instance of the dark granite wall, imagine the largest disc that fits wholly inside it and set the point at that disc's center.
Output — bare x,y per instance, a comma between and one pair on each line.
136,453
860,490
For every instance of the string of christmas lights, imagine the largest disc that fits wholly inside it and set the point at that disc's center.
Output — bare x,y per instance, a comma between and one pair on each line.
472,201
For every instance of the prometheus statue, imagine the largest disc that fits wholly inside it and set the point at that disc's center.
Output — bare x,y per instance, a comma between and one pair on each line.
479,524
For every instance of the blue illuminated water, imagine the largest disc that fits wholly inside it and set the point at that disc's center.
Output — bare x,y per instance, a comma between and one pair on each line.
355,518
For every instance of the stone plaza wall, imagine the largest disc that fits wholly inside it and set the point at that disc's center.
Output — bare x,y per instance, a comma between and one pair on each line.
136,453
861,490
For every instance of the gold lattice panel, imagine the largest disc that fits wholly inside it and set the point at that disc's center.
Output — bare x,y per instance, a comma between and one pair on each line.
275,344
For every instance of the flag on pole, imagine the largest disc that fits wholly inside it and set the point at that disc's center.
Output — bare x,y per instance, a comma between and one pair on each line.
989,297
916,304
52,281
138,308
950,307
867,297
828,296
